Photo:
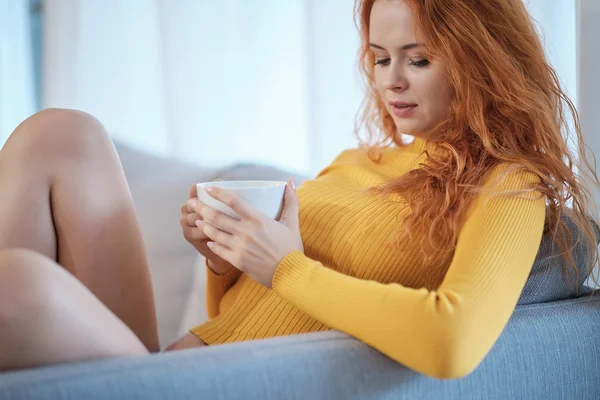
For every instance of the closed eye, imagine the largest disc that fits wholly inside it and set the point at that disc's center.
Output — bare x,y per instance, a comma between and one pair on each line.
383,61
419,63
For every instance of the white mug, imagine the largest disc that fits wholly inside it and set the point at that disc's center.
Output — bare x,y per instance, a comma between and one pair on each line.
265,196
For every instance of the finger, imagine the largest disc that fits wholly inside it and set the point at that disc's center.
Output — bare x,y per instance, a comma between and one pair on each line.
193,191
224,252
191,219
235,202
189,205
290,207
193,234
216,218
216,235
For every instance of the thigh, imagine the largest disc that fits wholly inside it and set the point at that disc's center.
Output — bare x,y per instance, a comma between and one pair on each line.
49,317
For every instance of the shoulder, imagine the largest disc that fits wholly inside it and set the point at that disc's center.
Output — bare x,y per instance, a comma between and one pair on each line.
508,187
510,177
508,191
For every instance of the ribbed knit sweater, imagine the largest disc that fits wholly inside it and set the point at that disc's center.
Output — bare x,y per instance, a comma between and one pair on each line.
439,318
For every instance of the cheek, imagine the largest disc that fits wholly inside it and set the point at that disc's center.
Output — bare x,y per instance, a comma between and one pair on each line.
378,76
435,91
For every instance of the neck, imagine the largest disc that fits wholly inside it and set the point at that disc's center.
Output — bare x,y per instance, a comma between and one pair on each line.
417,145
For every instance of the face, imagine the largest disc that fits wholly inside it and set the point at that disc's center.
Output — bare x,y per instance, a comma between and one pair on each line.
414,89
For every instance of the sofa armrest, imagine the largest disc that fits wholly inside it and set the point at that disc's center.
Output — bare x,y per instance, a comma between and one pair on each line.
547,351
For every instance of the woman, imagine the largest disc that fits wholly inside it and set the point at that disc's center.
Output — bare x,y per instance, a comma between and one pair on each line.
420,250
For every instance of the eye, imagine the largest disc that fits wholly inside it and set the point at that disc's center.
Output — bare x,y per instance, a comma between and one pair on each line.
419,63
383,61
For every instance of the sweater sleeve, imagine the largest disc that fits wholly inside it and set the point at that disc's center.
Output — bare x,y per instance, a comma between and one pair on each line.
443,333
216,286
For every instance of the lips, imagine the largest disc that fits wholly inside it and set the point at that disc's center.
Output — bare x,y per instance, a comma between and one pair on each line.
402,104
402,109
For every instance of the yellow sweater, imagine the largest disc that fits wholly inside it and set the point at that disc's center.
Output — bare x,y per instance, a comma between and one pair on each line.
439,319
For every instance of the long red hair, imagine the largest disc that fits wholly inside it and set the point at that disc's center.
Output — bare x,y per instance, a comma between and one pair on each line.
507,107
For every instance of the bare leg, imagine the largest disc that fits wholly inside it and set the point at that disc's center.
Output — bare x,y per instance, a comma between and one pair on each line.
48,317
64,195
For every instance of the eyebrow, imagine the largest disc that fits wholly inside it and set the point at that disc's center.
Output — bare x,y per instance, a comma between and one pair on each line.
405,47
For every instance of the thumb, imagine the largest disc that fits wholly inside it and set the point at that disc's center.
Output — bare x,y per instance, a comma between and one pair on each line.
289,217
193,192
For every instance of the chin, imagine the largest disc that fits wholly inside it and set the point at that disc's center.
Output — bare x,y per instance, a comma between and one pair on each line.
408,130
412,130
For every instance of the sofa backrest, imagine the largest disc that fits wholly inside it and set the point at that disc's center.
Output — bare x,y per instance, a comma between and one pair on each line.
547,281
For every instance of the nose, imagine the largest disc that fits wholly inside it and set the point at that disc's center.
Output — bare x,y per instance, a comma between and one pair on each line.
396,78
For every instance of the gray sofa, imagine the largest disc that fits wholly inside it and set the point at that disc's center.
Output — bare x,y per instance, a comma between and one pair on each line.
549,350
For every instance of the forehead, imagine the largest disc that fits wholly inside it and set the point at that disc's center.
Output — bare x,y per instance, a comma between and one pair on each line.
391,23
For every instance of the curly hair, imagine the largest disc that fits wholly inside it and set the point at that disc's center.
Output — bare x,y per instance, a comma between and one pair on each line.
507,107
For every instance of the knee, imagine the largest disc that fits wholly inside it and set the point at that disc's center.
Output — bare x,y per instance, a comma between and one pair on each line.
27,280
66,132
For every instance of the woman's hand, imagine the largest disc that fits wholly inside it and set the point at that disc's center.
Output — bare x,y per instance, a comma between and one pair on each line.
197,238
256,243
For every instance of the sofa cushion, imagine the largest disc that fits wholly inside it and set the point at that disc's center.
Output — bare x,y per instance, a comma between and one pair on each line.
547,281
159,186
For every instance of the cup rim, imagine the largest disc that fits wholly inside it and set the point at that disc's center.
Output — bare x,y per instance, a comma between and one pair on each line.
263,184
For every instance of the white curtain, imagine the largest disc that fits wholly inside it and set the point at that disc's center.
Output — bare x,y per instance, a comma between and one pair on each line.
212,82
17,100
218,82
557,23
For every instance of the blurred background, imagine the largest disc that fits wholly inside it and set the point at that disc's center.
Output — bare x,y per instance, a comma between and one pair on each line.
221,82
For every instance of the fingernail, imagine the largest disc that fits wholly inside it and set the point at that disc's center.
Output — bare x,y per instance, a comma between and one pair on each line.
293,183
192,203
198,223
208,189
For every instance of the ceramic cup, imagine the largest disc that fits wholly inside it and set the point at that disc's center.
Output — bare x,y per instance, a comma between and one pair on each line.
265,196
